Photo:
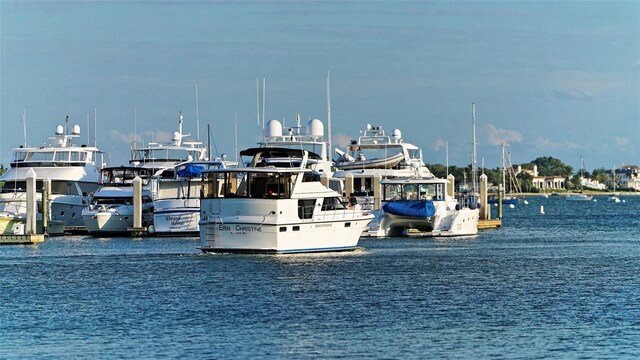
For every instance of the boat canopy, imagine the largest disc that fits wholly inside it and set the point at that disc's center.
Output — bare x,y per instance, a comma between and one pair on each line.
410,208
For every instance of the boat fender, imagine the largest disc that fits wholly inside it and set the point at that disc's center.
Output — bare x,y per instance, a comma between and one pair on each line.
472,206
479,205
457,207
151,229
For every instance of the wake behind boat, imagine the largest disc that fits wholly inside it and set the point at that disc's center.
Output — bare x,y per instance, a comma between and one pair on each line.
268,209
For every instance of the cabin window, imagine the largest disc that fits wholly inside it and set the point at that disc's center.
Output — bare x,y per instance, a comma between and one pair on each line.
363,186
305,208
332,203
430,191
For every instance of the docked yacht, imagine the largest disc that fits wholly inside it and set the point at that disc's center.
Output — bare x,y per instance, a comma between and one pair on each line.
376,154
422,207
165,156
111,208
309,138
267,209
177,203
72,169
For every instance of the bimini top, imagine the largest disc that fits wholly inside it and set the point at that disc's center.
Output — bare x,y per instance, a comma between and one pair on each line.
274,152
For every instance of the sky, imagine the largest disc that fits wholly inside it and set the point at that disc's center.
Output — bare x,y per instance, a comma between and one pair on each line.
558,79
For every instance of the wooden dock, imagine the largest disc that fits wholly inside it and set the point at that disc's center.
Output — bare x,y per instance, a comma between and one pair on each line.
21,239
489,224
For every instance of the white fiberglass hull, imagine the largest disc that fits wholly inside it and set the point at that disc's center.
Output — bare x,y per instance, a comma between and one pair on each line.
176,217
114,220
273,238
254,227
463,222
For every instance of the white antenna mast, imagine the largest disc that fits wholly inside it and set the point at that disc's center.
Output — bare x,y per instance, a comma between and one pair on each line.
135,125
197,115
446,151
329,150
88,140
264,99
235,114
95,127
24,126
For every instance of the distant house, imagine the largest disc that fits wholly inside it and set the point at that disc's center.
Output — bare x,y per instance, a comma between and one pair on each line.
628,176
543,182
592,184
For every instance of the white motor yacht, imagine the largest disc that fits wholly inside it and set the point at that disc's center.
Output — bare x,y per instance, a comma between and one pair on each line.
72,169
422,207
377,154
111,208
267,209
177,203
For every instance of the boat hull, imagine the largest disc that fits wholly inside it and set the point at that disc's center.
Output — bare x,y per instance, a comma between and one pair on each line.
176,217
113,221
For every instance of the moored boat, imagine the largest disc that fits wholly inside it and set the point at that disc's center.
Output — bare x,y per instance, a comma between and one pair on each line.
268,209
422,207
111,210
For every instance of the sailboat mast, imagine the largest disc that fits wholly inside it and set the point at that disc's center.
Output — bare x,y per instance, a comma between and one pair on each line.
474,177
504,171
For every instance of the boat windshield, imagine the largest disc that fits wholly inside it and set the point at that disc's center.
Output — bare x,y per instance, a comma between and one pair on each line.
261,185
124,176
426,191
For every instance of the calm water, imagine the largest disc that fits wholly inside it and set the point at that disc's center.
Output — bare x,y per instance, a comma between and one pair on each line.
561,285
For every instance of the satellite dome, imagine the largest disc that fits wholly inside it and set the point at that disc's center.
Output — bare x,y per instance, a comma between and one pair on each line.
76,129
59,130
396,134
176,136
273,129
316,128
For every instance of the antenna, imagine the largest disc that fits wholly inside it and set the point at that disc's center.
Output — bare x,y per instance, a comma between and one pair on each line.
329,150
235,114
264,99
209,140
24,126
135,125
446,151
95,127
66,125
258,100
197,115
88,140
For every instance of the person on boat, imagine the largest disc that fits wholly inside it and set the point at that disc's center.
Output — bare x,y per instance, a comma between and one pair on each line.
352,200
361,157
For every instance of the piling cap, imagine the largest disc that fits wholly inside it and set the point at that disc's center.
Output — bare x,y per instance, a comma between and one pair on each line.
31,173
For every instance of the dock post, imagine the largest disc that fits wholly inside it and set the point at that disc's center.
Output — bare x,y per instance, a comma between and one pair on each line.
500,191
377,191
451,185
46,191
31,203
137,202
485,210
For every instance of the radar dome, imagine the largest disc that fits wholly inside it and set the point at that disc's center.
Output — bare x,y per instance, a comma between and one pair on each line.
176,136
59,130
273,129
76,129
397,134
316,128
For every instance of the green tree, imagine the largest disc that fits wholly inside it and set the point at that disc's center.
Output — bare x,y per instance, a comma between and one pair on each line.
549,166
526,182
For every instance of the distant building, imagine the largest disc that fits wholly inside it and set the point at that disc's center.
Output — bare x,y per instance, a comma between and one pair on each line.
592,184
543,182
628,176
